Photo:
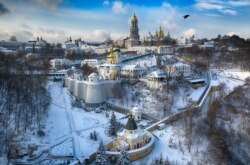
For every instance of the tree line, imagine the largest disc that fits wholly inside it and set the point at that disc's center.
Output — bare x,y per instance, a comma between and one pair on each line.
23,103
228,51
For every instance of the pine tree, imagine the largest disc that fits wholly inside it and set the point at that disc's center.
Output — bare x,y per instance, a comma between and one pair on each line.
101,156
91,136
95,136
124,159
113,125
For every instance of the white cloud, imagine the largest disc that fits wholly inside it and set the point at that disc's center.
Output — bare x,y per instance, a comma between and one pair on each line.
233,33
106,3
224,7
166,5
119,8
4,35
189,32
25,26
170,26
97,35
22,35
239,3
208,6
212,15
52,5
82,23
170,9
228,11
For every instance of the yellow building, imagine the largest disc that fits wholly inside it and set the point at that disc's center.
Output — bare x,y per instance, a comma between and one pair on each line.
136,141
111,69
131,137
159,33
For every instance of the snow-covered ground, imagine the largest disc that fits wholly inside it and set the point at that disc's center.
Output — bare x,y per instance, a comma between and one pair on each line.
230,78
234,73
148,62
159,103
63,149
57,123
70,127
172,144
67,129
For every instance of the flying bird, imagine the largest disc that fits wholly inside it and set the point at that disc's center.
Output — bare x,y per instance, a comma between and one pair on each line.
186,16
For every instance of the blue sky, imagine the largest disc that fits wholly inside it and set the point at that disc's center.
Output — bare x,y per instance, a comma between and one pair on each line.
92,20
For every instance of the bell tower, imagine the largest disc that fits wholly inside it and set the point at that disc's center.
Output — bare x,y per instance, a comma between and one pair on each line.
134,30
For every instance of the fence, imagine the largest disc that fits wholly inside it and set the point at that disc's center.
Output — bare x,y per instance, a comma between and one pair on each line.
126,111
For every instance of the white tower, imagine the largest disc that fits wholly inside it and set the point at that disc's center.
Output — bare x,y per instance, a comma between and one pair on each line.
94,90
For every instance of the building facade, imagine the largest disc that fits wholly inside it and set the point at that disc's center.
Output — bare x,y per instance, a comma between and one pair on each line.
179,70
111,69
157,39
134,36
137,142
132,71
91,62
166,50
60,63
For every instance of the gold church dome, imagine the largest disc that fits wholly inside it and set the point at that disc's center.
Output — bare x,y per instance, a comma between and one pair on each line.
161,32
111,57
134,18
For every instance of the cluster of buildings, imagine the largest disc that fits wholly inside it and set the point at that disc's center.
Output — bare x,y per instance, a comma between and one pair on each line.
80,46
148,40
8,52
176,71
97,88
110,74
11,44
36,45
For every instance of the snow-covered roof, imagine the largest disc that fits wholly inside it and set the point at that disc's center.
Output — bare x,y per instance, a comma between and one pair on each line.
7,51
130,67
107,64
91,59
138,133
179,64
32,54
157,74
62,71
165,46
2,48
196,80
93,74
58,59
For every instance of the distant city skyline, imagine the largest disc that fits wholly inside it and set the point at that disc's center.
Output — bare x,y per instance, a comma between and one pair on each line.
95,20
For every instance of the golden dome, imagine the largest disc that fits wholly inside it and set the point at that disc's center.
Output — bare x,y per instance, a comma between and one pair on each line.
111,57
161,32
134,18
